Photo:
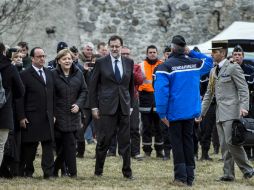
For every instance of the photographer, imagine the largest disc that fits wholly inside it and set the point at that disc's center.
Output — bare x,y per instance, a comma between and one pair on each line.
14,89
87,119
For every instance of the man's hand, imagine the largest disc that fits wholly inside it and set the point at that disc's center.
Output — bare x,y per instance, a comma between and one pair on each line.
74,108
86,67
243,112
165,121
131,110
199,119
187,50
23,123
96,114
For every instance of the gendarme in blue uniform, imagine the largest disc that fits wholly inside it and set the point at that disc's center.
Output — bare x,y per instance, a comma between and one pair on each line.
177,87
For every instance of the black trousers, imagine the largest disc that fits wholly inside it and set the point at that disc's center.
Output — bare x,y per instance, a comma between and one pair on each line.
107,124
151,123
206,128
250,149
166,139
181,135
134,127
195,138
28,153
134,132
66,152
113,143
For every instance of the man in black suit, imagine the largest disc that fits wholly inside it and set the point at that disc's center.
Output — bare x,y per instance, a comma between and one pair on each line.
111,96
35,113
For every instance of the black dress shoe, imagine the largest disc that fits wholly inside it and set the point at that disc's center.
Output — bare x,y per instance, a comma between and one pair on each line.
48,177
248,175
206,158
65,174
159,154
129,177
165,158
179,183
73,175
226,178
138,157
109,154
79,155
166,155
97,174
28,175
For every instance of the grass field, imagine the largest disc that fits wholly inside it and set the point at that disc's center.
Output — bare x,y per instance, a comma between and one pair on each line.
151,174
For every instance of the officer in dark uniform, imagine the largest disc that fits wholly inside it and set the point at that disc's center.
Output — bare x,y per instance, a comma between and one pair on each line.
237,56
208,125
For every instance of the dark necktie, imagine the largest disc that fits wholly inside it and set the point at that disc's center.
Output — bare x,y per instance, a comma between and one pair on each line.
40,71
117,72
217,70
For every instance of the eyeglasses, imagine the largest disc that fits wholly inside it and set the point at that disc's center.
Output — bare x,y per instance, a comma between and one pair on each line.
40,56
112,47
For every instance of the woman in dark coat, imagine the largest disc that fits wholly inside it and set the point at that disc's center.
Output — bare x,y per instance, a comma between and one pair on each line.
13,89
70,96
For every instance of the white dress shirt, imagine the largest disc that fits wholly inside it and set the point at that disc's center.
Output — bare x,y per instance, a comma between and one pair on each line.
119,64
38,72
222,63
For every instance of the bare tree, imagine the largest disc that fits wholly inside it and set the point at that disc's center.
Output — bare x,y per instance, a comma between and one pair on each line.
15,13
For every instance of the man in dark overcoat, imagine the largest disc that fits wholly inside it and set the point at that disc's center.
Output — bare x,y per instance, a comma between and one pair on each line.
35,113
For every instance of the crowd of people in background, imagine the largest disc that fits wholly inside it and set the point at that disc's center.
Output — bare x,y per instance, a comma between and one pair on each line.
103,92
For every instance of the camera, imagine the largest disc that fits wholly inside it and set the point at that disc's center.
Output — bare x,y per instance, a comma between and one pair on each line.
90,64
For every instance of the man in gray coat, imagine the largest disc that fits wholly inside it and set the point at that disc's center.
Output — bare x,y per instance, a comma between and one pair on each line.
228,85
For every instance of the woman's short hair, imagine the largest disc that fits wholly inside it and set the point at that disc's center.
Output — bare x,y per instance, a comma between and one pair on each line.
63,52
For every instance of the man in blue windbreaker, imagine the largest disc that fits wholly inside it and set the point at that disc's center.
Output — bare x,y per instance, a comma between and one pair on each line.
178,103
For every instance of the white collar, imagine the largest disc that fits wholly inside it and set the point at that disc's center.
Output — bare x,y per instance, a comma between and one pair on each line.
222,62
37,69
113,58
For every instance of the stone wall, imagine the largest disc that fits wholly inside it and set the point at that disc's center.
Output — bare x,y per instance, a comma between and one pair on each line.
145,22
139,22
60,14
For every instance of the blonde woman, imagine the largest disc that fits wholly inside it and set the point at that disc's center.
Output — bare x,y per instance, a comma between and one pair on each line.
17,59
70,96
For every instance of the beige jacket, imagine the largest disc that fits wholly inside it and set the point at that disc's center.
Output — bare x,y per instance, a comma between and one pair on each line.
231,92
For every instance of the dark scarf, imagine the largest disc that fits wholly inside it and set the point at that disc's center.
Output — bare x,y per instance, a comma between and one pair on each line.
151,62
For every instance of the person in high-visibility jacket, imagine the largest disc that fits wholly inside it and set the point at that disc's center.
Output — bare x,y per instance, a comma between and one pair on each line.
149,117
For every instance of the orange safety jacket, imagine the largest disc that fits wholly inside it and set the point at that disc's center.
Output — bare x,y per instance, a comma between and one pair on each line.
147,71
